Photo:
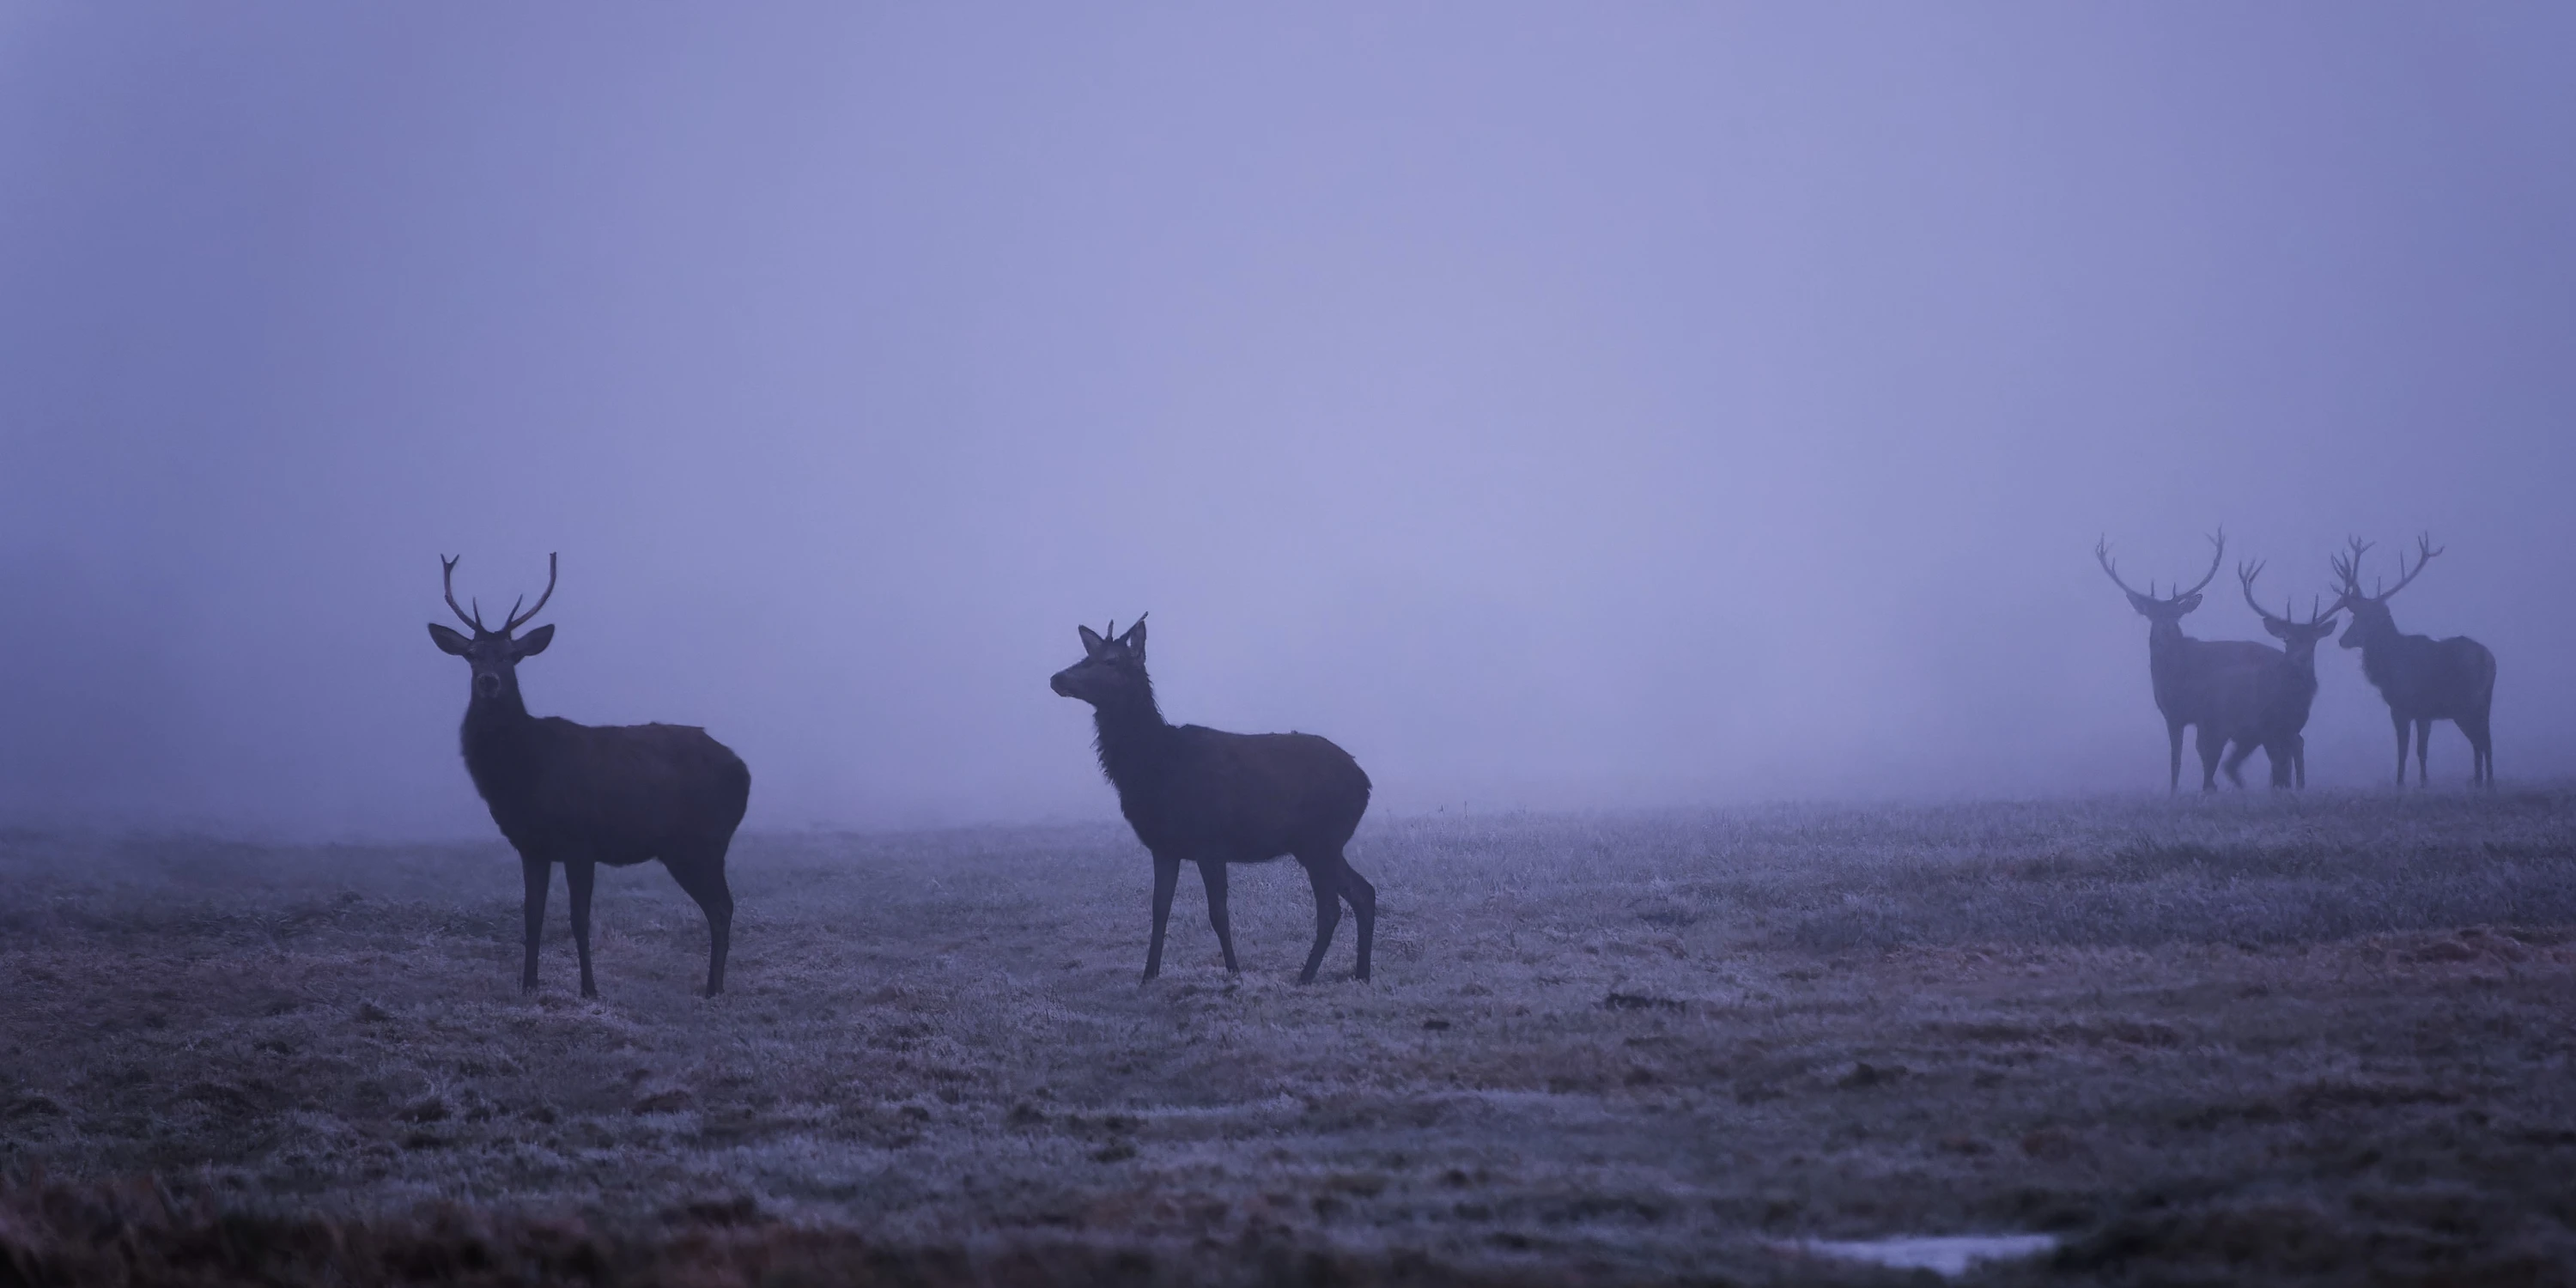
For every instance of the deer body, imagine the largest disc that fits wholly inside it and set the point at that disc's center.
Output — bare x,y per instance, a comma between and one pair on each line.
2423,679
584,795
2284,700
2287,690
1212,798
2216,686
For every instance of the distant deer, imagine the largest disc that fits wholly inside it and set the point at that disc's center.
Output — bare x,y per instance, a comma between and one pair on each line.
2212,684
1216,798
2291,688
583,796
2423,679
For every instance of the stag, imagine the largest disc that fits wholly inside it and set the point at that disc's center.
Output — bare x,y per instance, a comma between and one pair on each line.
582,796
2288,689
2214,685
1216,798
2423,679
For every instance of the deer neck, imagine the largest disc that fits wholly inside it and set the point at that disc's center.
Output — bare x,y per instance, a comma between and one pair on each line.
1132,737
2165,643
2378,646
495,730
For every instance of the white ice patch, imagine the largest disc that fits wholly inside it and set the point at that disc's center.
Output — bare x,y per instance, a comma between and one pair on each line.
1946,1255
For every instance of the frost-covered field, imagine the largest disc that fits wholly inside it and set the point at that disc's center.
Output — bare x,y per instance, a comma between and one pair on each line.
2229,1040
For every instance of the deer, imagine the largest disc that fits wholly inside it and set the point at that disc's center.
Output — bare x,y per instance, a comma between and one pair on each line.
2290,689
2422,678
584,795
2212,684
1212,798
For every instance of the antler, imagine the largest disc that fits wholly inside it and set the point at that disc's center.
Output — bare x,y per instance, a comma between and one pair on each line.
2218,540
2102,552
447,578
2424,553
518,619
2245,577
2347,570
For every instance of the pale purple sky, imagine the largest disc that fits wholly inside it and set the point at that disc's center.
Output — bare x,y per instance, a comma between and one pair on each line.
1555,405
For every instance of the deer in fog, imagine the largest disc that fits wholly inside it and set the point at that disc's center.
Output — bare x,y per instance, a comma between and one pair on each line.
582,796
2285,696
2423,679
2214,685
1214,798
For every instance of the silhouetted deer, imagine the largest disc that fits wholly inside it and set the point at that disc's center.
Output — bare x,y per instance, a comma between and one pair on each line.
584,796
2212,684
1217,798
2423,679
2287,694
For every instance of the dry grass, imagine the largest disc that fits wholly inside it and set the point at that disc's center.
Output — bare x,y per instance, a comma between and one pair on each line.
2224,1041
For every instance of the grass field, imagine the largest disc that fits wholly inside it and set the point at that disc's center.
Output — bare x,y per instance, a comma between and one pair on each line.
2241,1039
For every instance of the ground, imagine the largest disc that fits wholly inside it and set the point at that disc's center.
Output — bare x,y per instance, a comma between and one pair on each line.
2250,1038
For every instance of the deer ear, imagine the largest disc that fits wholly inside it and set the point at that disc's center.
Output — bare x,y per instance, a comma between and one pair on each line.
447,641
532,643
1091,640
2280,629
1134,639
2188,602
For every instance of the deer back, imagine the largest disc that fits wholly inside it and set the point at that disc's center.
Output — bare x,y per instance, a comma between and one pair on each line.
2214,683
1247,796
2426,678
621,793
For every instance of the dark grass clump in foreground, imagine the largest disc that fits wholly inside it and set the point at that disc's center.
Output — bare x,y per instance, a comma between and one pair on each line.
2234,1040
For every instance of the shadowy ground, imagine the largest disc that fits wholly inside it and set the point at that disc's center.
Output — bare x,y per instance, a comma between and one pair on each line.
2204,1041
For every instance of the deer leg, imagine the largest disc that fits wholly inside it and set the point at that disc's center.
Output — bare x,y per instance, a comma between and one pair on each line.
2481,752
2236,763
578,874
536,873
2401,747
1363,897
703,879
2299,758
2173,736
1328,913
1212,872
2423,765
2210,745
1167,877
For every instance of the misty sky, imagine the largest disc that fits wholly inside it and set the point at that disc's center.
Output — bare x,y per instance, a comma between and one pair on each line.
1560,405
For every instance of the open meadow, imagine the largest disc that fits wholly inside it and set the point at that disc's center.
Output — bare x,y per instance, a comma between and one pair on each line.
2250,1038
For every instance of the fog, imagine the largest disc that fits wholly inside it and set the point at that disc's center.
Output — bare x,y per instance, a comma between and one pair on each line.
1554,406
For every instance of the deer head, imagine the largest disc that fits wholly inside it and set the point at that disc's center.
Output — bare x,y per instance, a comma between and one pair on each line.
2168,610
2370,619
493,654
1110,669
2298,638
